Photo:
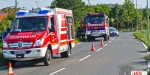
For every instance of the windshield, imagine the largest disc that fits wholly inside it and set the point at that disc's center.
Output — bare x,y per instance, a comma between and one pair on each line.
91,19
29,24
113,29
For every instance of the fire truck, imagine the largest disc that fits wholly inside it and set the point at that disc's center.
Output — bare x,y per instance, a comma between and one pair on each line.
40,33
96,25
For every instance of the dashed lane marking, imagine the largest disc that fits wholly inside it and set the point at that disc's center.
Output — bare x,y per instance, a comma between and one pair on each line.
106,44
57,71
99,49
85,57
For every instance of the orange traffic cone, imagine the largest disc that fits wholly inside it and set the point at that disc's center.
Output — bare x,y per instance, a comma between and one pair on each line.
10,72
93,48
101,42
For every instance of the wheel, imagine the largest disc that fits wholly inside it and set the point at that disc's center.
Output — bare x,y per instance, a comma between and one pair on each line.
93,38
105,37
13,62
108,37
47,58
88,38
66,53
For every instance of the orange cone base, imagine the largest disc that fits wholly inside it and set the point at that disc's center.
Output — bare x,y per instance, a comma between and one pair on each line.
93,48
101,44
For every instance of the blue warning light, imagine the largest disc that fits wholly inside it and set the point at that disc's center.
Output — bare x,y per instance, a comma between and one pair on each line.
45,11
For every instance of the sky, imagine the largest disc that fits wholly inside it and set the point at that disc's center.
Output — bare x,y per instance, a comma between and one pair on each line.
44,3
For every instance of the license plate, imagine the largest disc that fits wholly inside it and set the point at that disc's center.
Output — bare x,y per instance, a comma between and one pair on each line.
95,27
20,52
20,55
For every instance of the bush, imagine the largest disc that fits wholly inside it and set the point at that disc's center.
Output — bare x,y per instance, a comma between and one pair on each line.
0,45
147,57
77,41
148,73
2,59
142,35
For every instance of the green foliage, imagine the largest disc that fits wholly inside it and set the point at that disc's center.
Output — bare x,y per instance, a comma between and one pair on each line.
147,57
142,35
121,15
2,59
148,73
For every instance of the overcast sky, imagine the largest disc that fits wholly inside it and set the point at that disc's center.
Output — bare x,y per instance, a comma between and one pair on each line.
44,3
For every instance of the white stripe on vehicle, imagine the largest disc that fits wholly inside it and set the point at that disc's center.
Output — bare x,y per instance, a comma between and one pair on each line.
55,46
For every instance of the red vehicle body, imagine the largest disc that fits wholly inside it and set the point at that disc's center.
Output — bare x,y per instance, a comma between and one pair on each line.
39,34
97,25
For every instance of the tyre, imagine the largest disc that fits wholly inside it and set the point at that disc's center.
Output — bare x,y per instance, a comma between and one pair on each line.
108,37
105,37
13,62
66,53
88,38
47,58
93,38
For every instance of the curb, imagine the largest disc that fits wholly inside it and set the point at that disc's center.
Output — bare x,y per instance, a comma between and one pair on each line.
148,67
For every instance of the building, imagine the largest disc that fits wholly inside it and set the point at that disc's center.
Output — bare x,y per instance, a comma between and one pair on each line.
2,15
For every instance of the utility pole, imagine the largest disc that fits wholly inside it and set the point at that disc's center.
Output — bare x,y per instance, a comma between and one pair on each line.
89,2
36,3
132,1
147,20
136,17
16,3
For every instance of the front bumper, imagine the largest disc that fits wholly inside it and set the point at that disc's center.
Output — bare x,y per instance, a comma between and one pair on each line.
33,53
113,34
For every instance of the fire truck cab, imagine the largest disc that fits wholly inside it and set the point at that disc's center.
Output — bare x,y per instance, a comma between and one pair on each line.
40,33
97,25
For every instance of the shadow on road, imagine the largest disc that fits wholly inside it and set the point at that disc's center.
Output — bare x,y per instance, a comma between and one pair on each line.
30,64
142,51
144,62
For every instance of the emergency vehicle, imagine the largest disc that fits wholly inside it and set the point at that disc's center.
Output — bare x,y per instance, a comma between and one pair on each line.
96,25
40,33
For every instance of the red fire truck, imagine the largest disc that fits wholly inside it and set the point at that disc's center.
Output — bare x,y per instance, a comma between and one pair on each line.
40,33
96,25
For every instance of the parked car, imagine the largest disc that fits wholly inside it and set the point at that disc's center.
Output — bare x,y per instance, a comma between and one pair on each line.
113,31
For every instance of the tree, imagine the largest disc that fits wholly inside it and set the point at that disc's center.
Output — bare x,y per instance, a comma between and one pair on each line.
77,6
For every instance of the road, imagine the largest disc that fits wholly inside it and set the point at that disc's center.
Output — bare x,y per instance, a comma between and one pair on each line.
120,55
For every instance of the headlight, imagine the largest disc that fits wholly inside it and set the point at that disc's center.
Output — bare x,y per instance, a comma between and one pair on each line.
88,32
5,44
103,31
39,42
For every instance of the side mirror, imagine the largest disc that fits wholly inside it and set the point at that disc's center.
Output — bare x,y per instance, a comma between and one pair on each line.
52,28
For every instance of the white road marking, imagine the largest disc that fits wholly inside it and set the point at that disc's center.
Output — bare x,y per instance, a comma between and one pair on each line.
147,53
99,49
113,38
85,57
106,44
109,41
57,71
144,45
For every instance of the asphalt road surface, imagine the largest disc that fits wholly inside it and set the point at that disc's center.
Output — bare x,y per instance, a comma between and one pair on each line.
119,56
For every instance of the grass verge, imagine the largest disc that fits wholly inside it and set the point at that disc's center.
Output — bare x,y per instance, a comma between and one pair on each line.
143,36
